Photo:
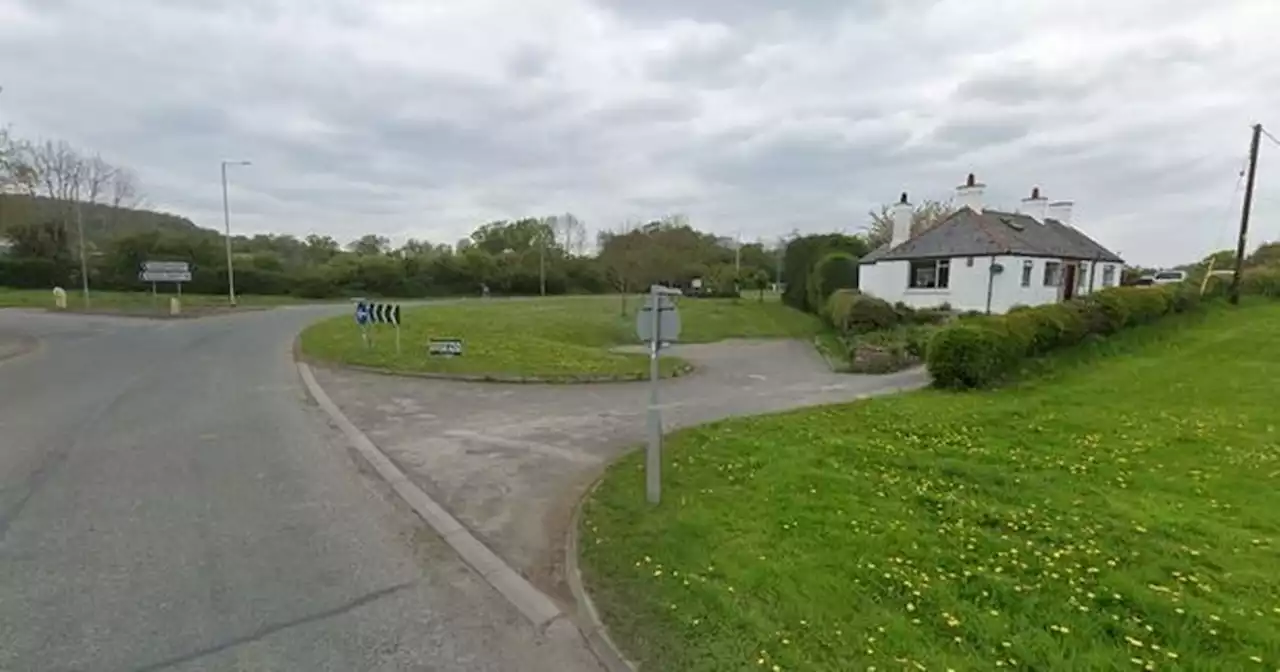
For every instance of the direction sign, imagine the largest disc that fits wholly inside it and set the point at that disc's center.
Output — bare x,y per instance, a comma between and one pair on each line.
445,347
166,267
667,315
362,314
165,276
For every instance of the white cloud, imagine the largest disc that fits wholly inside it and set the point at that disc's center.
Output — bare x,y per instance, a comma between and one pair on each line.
426,119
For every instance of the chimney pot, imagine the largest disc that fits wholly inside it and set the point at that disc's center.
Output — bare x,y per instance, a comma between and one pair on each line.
969,195
1036,206
902,215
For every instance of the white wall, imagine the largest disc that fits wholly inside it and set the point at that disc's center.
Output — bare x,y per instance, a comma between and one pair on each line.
968,285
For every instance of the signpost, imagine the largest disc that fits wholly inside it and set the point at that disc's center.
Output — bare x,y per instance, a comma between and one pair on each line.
445,347
658,324
377,313
176,272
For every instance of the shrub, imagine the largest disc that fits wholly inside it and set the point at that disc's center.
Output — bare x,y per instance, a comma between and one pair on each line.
977,351
867,313
968,354
836,270
839,307
803,254
1263,281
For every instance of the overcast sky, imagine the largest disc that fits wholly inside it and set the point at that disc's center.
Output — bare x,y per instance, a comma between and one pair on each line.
423,118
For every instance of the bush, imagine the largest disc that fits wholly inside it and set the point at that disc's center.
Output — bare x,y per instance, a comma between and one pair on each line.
1262,281
867,313
802,256
838,308
836,270
969,354
977,351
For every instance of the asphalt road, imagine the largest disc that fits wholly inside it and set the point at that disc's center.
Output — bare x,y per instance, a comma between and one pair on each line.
170,500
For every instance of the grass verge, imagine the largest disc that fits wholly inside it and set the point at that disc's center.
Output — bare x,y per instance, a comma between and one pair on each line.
131,302
553,339
1116,512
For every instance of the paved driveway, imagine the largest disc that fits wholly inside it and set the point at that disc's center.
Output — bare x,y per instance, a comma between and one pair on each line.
510,461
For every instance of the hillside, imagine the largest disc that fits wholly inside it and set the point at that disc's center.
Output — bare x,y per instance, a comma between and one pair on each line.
101,222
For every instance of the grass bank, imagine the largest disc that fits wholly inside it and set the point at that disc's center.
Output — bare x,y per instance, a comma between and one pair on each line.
1116,513
131,302
559,338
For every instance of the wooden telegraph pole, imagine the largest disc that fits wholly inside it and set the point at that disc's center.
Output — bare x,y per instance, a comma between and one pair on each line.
1244,213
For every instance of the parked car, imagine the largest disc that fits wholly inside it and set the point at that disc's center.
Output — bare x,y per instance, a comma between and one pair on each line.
1168,277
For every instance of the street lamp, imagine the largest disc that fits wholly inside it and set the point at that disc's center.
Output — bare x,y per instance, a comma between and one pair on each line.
226,220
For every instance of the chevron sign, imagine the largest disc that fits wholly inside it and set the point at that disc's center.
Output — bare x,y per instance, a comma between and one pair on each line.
380,313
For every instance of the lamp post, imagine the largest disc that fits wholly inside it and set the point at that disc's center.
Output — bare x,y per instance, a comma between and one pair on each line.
226,220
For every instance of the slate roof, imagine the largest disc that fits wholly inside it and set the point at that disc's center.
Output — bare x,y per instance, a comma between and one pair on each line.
971,234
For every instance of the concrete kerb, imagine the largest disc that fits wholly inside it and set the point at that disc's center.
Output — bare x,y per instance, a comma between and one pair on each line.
502,378
532,603
587,616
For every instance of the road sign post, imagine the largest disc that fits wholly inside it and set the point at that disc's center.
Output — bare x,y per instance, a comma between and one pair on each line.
657,322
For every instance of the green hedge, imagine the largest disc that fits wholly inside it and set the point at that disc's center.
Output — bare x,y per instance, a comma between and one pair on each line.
980,351
836,270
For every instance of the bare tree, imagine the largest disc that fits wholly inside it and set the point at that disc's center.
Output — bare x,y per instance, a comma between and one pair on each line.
572,233
926,214
124,189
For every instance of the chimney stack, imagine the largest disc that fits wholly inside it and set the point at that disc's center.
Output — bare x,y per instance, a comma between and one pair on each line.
1035,205
1061,211
902,212
969,194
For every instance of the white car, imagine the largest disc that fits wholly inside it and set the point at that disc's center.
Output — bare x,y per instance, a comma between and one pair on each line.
1168,277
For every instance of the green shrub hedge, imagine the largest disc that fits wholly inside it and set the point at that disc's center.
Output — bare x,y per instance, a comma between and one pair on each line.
836,270
979,351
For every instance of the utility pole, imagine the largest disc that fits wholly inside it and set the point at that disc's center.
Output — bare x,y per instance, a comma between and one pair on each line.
542,264
84,261
226,220
1244,212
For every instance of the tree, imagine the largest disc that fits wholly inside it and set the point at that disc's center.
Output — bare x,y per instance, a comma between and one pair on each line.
1267,254
570,232
925,215
370,244
621,256
760,280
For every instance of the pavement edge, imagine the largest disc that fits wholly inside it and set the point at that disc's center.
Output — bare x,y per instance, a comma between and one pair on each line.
588,618
532,603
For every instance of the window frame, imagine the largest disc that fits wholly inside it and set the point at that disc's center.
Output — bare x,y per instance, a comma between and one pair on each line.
1028,271
941,273
1052,276
1109,275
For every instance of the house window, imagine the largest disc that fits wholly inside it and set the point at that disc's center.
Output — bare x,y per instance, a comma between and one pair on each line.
930,274
1108,276
969,262
1052,273
1028,267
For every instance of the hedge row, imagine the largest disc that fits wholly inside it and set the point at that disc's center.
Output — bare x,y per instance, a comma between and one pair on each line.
979,351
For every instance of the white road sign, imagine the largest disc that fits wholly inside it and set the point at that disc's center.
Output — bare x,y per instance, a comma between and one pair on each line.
165,276
166,267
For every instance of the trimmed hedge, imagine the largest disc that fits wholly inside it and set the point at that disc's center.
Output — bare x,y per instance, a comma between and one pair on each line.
979,351
836,270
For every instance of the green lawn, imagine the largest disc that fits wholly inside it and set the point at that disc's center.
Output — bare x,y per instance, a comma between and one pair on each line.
1120,512
131,302
560,338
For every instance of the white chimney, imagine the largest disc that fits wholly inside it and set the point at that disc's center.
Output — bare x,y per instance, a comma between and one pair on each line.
1035,205
969,194
902,212
1061,211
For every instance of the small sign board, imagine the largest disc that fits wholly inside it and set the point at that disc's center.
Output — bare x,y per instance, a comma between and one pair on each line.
165,276
164,271
445,347
666,314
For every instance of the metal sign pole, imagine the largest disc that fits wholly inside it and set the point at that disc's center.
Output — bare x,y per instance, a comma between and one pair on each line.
397,339
653,455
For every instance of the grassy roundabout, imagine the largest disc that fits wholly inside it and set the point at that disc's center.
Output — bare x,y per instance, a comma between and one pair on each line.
1117,513
552,339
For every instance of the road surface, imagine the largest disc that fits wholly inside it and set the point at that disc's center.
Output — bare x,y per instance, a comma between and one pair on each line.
170,500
